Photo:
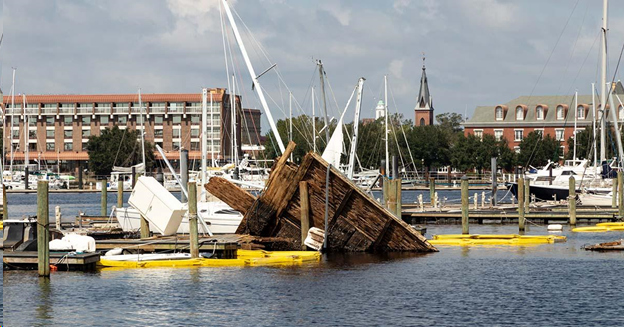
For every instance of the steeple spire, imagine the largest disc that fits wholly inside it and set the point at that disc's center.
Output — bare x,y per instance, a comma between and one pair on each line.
424,98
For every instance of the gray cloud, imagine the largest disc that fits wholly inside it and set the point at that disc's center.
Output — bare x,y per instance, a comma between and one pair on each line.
479,52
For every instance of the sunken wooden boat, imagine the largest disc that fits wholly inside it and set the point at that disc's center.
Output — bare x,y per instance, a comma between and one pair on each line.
356,221
608,246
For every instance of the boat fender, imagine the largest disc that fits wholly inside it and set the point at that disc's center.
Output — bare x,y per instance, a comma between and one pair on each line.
555,227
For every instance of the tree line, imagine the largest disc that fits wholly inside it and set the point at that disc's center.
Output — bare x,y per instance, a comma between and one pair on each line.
431,146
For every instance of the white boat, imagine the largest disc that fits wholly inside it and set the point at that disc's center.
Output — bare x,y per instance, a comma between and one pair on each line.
600,200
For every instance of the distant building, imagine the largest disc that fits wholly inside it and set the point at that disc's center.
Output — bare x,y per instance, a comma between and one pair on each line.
59,125
548,115
380,110
423,111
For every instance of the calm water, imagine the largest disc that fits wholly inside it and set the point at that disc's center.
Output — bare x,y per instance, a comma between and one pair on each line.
546,285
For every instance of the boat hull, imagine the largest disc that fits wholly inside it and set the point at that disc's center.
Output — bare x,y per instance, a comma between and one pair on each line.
543,192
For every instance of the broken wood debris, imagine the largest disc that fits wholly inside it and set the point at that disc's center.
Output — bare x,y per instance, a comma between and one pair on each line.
357,222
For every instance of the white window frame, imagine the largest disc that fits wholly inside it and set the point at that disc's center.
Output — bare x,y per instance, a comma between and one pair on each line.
539,109
479,132
502,133
562,138
519,110
516,149
541,130
580,109
516,136
496,111
557,110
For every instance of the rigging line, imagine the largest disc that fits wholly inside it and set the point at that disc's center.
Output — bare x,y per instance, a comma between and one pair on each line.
574,47
553,50
405,137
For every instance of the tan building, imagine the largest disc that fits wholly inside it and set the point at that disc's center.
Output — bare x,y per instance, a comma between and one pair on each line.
59,125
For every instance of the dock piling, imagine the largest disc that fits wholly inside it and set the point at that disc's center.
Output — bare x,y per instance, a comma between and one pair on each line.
43,234
57,217
521,204
104,209
620,193
527,194
133,177
5,204
464,203
494,181
192,212
432,190
614,192
305,212
120,194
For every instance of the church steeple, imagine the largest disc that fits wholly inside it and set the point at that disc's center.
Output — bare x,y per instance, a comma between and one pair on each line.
424,102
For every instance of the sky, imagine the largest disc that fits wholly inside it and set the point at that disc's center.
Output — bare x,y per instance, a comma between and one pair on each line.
478,52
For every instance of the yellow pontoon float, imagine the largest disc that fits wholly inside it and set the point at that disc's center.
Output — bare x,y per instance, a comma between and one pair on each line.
492,239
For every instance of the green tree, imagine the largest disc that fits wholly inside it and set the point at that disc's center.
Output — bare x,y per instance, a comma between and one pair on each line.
116,147
431,144
450,121
536,150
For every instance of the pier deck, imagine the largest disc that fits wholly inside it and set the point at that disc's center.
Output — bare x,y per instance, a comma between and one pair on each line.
224,246
62,260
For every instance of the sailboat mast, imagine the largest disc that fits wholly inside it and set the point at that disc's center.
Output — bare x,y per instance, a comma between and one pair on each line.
12,122
594,125
313,123
575,116
618,137
233,115
142,136
290,134
386,127
26,132
603,83
254,77
356,123
204,138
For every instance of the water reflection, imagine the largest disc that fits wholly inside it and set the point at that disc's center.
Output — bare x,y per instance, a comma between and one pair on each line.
44,308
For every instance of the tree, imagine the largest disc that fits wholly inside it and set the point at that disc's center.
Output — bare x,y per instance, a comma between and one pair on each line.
450,121
431,144
537,150
116,147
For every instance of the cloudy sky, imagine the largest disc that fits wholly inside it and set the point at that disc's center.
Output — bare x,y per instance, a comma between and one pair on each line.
478,52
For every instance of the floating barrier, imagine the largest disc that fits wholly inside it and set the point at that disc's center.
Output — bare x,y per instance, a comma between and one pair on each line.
601,227
244,258
493,239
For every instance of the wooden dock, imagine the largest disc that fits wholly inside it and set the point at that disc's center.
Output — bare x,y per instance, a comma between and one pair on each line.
27,260
224,246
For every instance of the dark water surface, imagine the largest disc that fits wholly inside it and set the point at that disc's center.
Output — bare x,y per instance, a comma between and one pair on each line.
545,285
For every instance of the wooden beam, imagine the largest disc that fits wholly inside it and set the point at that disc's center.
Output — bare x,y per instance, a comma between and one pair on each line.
341,207
228,192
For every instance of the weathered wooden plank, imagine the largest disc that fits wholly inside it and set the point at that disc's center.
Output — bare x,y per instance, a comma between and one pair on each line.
341,206
228,192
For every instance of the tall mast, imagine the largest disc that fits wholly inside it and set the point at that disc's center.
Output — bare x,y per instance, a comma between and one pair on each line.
290,134
26,132
594,125
618,137
603,83
356,123
575,116
233,121
313,123
142,132
204,138
321,75
386,127
254,77
12,121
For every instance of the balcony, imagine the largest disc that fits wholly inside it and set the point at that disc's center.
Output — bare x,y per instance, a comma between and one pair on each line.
66,111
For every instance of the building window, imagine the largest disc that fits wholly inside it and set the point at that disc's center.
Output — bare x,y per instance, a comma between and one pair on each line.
195,132
559,112
176,133
539,113
540,132
560,134
67,120
194,146
68,134
49,120
69,146
499,113
176,119
176,146
86,120
158,133
517,149
176,107
32,134
158,120
519,113
32,121
122,120
50,146
518,134
86,133
580,112
103,120
85,146
195,119
50,133
498,134
479,133
562,152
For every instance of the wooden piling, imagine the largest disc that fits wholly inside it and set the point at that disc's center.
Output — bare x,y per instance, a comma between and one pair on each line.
614,192
305,212
145,229
464,204
521,204
494,181
391,198
192,212
620,193
43,234
120,194
527,194
104,200
5,203
572,207
432,190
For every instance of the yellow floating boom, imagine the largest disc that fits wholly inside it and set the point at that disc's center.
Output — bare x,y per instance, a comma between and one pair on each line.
244,258
601,227
493,239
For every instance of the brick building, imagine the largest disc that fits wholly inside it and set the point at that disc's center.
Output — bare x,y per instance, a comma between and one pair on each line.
59,125
550,115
